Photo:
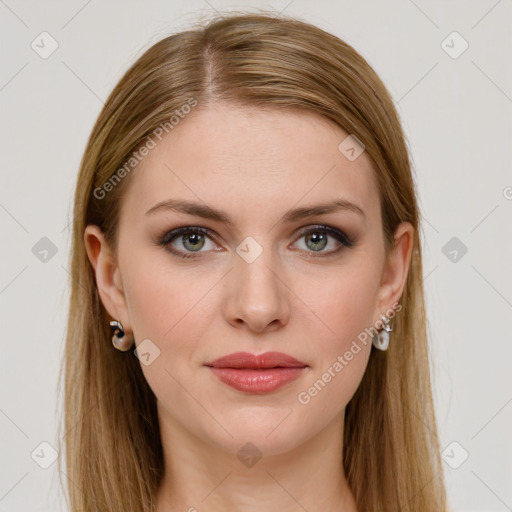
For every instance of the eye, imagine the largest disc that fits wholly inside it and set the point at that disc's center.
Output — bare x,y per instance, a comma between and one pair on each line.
316,239
191,240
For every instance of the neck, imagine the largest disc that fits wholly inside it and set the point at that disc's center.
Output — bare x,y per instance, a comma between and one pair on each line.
201,476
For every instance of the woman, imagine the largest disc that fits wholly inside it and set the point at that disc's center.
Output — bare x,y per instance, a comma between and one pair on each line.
246,219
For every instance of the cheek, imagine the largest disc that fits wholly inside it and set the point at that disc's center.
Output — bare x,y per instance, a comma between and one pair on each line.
168,308
342,301
343,306
173,308
162,299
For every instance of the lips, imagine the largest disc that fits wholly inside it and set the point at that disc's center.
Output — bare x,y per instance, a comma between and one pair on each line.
257,374
246,360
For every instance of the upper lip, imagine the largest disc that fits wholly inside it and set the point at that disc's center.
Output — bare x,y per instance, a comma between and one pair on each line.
265,360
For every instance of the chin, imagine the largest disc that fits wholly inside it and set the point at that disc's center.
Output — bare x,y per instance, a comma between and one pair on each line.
267,432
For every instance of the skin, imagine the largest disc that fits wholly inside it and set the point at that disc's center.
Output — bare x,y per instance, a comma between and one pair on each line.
255,165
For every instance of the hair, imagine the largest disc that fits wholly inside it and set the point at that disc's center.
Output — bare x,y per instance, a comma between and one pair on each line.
114,458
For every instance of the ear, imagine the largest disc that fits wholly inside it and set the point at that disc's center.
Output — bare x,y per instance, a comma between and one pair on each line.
396,268
108,276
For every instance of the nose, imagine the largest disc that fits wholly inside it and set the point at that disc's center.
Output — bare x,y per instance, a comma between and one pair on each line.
257,295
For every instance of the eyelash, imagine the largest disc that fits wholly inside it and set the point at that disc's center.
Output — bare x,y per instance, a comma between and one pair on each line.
170,236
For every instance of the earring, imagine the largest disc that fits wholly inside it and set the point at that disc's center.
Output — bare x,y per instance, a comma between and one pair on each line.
381,340
119,339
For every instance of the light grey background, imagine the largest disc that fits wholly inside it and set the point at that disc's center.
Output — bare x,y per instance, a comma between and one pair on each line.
457,113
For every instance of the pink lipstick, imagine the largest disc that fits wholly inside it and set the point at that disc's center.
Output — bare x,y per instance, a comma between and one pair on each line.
257,373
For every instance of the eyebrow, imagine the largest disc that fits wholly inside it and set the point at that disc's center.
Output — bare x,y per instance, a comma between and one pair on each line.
207,212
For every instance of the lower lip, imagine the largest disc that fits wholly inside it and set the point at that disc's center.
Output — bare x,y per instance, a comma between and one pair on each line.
257,380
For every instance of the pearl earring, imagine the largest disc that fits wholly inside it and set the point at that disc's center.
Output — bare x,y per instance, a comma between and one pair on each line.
119,339
381,340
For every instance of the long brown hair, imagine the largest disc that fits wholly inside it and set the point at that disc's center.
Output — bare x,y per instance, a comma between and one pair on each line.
114,456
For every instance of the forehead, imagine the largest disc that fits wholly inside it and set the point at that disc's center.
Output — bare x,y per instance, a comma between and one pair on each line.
252,158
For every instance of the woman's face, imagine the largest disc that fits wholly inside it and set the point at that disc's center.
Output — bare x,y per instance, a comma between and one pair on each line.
256,272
